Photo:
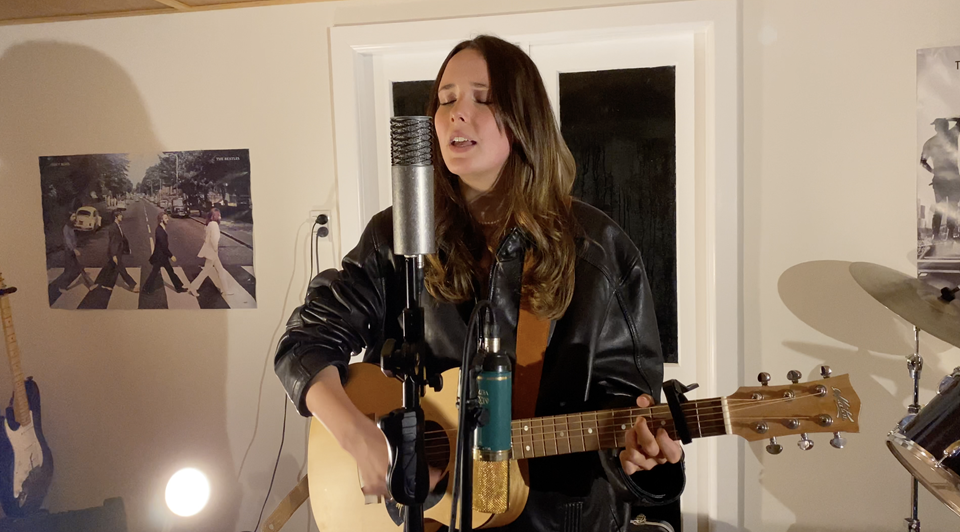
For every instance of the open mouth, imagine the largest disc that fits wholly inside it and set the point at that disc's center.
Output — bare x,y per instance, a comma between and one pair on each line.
461,142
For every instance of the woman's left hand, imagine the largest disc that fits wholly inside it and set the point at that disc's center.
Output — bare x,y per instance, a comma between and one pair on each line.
644,451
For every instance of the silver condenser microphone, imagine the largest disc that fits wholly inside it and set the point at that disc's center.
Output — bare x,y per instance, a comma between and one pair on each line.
412,168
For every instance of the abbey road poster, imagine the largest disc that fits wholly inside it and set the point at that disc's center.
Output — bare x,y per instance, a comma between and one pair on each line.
170,230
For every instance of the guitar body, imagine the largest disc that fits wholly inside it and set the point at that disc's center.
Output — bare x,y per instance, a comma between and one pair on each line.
335,496
26,464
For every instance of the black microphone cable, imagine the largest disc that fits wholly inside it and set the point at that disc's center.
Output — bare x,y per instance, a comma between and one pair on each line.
465,366
270,352
283,435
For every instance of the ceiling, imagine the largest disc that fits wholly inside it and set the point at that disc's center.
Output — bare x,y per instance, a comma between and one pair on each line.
33,11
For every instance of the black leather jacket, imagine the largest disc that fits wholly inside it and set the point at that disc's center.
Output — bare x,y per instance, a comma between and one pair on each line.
603,353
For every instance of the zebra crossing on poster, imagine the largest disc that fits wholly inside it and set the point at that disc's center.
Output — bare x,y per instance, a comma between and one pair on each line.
235,296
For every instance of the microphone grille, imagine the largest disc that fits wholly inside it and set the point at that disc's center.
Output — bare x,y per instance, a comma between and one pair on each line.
411,141
491,486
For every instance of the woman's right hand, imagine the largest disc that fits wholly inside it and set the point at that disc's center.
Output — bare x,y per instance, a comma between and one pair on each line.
356,433
368,446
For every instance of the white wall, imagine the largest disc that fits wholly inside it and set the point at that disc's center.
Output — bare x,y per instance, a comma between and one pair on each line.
130,396
829,176
830,164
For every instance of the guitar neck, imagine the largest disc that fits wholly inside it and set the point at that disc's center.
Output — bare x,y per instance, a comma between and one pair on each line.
21,404
607,429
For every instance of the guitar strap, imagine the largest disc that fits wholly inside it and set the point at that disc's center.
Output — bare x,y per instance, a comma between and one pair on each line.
532,335
287,507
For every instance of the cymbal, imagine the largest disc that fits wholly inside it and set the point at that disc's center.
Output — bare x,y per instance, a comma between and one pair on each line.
912,299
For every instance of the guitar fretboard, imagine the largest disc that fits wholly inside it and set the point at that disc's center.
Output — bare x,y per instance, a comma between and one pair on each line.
20,402
607,429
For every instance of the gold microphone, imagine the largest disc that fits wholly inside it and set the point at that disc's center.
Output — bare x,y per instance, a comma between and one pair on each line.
491,454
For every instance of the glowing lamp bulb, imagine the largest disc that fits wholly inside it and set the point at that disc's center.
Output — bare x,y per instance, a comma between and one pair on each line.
187,492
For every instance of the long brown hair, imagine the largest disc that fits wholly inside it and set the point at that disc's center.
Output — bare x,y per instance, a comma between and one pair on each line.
536,180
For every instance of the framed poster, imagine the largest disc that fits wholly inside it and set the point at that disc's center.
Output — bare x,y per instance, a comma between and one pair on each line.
170,230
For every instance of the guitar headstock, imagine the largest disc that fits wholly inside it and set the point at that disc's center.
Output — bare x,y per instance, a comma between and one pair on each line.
827,405
4,289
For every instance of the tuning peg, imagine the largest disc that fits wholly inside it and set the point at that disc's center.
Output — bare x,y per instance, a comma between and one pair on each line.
774,447
764,378
805,443
825,372
794,376
838,442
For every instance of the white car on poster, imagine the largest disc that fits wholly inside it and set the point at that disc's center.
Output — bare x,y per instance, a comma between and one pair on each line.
86,219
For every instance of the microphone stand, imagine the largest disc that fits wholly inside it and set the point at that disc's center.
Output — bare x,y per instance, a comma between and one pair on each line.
408,478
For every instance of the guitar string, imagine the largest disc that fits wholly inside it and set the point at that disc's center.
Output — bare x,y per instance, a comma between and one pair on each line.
538,436
438,448
691,408
704,428
703,415
603,424
695,412
705,425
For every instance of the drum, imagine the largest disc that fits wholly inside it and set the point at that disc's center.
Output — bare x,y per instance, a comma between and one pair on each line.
929,444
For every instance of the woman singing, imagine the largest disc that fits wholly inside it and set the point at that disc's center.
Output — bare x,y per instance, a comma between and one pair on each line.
508,231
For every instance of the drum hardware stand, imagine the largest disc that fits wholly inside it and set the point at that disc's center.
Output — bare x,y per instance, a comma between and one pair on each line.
915,444
915,367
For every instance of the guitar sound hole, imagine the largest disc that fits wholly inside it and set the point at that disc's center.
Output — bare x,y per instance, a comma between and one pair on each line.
437,446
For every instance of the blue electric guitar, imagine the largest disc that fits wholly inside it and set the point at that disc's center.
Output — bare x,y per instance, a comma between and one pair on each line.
26,465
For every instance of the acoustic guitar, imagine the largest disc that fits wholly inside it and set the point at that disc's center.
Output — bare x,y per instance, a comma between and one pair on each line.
753,413
26,464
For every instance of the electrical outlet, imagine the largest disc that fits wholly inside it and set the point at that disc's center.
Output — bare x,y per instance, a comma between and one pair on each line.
324,221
